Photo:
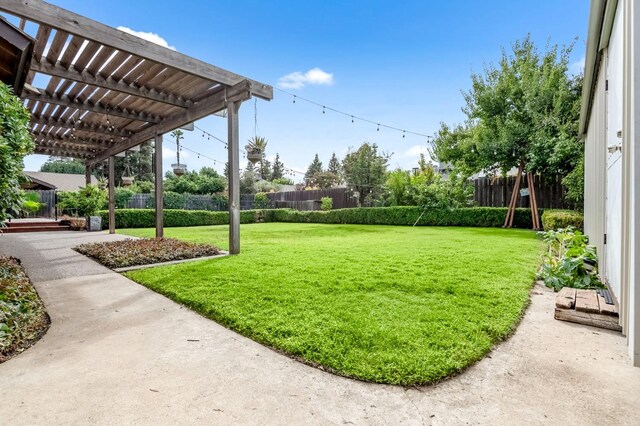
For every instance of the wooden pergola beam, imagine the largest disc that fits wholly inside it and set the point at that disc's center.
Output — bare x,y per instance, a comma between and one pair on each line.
80,126
62,152
64,100
211,105
109,83
72,23
52,138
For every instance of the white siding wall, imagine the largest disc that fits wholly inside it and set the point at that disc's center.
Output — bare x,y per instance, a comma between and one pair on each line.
614,107
595,170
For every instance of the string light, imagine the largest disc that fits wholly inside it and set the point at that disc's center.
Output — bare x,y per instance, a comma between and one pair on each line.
353,116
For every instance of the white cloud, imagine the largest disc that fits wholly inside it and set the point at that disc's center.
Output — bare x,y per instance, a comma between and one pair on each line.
152,37
415,152
297,80
577,67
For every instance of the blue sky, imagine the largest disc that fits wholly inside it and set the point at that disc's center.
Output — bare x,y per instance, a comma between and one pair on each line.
399,63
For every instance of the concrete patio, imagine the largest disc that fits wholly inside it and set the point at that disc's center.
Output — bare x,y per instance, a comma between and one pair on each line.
118,353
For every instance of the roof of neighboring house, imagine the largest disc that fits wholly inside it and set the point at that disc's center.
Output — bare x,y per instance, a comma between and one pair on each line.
59,181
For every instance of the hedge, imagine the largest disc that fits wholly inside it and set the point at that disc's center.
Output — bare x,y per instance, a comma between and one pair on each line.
556,219
473,216
146,218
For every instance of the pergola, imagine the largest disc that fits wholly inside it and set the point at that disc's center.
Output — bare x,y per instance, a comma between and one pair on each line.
110,91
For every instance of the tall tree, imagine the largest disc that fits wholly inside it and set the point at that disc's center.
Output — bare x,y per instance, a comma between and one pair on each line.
365,172
277,168
314,168
63,165
335,167
264,169
248,179
525,110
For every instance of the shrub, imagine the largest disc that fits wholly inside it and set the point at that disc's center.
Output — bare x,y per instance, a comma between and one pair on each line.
564,264
146,218
326,203
122,197
31,203
472,216
84,202
173,200
261,201
22,315
557,219
406,215
144,251
15,143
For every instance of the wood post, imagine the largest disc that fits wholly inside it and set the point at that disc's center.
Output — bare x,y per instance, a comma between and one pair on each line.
112,195
233,141
533,202
159,189
87,175
511,211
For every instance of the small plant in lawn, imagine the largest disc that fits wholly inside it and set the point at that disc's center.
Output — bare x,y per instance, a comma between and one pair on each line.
570,261
326,203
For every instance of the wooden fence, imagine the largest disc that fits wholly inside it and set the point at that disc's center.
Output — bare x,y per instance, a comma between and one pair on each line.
496,192
343,198
48,199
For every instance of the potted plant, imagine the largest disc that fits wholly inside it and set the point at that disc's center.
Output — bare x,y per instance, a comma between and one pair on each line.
256,149
178,169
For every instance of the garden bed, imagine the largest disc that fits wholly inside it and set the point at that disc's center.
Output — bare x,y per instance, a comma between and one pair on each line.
23,319
144,251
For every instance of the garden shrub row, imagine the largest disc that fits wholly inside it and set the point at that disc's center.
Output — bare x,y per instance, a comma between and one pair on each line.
473,216
557,219
146,218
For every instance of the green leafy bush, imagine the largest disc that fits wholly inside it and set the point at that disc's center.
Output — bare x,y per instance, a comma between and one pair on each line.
326,203
146,218
23,318
557,219
261,200
122,197
566,262
472,216
144,251
405,215
15,143
84,202
31,203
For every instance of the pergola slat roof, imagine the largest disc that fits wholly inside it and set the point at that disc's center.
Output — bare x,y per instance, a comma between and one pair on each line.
110,91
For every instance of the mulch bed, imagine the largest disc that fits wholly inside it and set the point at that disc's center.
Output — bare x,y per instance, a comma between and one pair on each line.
144,251
23,318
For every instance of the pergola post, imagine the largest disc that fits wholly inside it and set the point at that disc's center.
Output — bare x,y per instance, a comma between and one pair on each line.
233,140
112,194
157,170
87,174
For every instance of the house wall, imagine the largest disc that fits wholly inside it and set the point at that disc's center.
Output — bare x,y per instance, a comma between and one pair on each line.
595,171
614,113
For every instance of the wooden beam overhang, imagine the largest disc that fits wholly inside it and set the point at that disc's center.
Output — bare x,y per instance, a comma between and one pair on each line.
80,126
109,83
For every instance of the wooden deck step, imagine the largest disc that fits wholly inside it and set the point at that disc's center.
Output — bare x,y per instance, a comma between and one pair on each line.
588,307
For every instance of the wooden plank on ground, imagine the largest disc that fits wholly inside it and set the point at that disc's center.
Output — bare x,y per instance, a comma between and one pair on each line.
587,301
566,298
594,320
606,309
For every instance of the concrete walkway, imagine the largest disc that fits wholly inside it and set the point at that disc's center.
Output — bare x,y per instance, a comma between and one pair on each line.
119,353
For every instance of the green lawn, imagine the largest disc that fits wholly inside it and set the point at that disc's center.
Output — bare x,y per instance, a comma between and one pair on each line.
386,304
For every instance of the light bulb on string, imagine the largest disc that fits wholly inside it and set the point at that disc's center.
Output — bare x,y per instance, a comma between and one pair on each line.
323,109
352,118
403,133
294,99
378,129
